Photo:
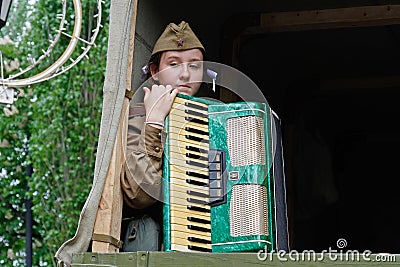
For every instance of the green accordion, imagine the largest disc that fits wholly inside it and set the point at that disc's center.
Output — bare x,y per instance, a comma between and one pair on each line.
218,177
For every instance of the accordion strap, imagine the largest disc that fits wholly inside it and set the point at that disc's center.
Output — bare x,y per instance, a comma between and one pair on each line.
107,239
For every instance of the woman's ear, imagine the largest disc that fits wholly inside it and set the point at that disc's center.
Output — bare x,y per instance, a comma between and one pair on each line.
154,70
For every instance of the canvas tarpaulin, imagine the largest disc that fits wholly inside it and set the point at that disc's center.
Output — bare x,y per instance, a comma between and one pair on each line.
121,12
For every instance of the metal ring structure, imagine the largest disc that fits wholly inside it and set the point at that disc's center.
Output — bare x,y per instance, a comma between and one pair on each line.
51,46
57,67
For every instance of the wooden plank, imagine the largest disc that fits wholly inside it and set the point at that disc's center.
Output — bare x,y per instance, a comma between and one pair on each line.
160,259
328,18
131,47
362,16
109,214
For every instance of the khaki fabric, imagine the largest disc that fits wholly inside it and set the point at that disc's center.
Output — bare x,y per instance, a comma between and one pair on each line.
142,181
177,37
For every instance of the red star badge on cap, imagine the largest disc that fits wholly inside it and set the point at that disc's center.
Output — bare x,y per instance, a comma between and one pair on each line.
180,42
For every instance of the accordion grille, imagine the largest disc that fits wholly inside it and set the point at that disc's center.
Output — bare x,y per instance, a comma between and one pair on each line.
248,210
246,140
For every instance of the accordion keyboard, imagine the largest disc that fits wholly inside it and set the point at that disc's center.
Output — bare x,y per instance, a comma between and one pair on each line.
189,177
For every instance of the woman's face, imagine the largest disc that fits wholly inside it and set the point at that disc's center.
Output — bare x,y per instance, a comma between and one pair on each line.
182,70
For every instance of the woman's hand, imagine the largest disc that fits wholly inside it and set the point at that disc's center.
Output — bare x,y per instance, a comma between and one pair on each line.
158,102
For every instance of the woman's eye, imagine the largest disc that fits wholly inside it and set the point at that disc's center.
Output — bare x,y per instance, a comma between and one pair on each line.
173,64
194,66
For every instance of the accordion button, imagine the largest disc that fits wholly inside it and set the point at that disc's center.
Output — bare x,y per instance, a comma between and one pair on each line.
157,149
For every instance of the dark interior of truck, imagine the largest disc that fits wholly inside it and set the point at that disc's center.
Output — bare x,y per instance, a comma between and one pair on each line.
335,86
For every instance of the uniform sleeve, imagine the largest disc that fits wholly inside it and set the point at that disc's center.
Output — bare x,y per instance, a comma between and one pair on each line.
141,182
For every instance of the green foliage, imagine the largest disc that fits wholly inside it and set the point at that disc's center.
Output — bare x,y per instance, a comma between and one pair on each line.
58,123
9,50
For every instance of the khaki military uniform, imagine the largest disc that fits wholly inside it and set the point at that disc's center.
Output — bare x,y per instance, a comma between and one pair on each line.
142,183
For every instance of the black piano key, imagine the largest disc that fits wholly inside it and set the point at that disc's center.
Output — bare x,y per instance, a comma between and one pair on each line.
195,156
199,228
193,130
198,240
197,201
199,248
196,174
199,209
194,219
197,149
195,182
192,105
196,194
194,120
195,138
195,113
197,164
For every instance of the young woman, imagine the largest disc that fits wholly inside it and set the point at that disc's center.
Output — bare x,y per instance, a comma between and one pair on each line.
174,67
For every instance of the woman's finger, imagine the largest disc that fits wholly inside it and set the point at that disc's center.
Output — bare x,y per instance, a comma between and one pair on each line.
174,93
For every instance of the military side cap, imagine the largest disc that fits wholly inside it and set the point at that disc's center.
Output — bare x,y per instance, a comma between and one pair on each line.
177,37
